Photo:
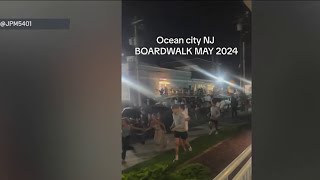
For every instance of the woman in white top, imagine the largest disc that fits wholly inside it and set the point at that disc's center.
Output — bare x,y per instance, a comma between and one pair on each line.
184,109
186,113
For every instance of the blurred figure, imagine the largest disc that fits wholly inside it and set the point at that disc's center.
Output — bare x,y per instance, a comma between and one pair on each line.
197,111
234,106
125,130
160,131
207,98
247,105
184,109
175,101
214,117
166,91
187,120
223,108
161,91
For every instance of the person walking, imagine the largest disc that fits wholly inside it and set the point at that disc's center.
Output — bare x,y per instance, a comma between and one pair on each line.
214,117
196,111
179,129
125,130
234,106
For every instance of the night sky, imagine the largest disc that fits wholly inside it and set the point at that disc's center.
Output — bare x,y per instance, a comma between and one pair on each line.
184,19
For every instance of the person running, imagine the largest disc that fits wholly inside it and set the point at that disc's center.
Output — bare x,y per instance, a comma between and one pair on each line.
179,129
160,131
186,114
125,130
214,117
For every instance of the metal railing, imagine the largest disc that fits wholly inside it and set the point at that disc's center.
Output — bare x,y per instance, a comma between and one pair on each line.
245,171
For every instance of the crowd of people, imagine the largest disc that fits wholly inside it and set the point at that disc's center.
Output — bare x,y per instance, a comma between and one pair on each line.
179,127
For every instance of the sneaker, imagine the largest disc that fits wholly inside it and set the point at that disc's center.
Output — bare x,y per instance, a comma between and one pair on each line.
176,159
216,133
190,148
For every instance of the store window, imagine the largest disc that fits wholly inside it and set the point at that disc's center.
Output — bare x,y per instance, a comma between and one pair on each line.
164,87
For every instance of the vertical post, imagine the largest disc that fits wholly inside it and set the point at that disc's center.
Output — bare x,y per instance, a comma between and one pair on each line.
136,59
243,61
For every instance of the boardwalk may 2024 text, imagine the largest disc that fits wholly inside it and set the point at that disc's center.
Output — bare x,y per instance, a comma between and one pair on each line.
202,49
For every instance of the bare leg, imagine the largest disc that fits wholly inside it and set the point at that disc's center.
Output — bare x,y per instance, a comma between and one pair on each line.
211,127
177,142
183,144
216,126
163,141
187,144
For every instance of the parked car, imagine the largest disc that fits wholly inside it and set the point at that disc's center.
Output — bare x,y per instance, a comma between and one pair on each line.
131,113
126,104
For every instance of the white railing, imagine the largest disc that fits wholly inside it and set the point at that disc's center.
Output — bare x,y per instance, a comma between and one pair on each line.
243,174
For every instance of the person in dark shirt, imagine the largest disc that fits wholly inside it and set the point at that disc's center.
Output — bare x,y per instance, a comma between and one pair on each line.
125,131
234,106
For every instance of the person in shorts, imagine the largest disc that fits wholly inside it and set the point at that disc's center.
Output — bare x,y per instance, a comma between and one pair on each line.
187,120
179,129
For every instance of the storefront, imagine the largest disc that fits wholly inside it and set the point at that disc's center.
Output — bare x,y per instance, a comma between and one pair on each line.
169,82
206,85
248,89
159,81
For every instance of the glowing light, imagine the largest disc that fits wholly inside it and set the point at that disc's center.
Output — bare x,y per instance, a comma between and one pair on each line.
220,79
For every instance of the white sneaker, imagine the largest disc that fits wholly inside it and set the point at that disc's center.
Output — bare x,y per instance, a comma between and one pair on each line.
216,133
176,159
190,148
